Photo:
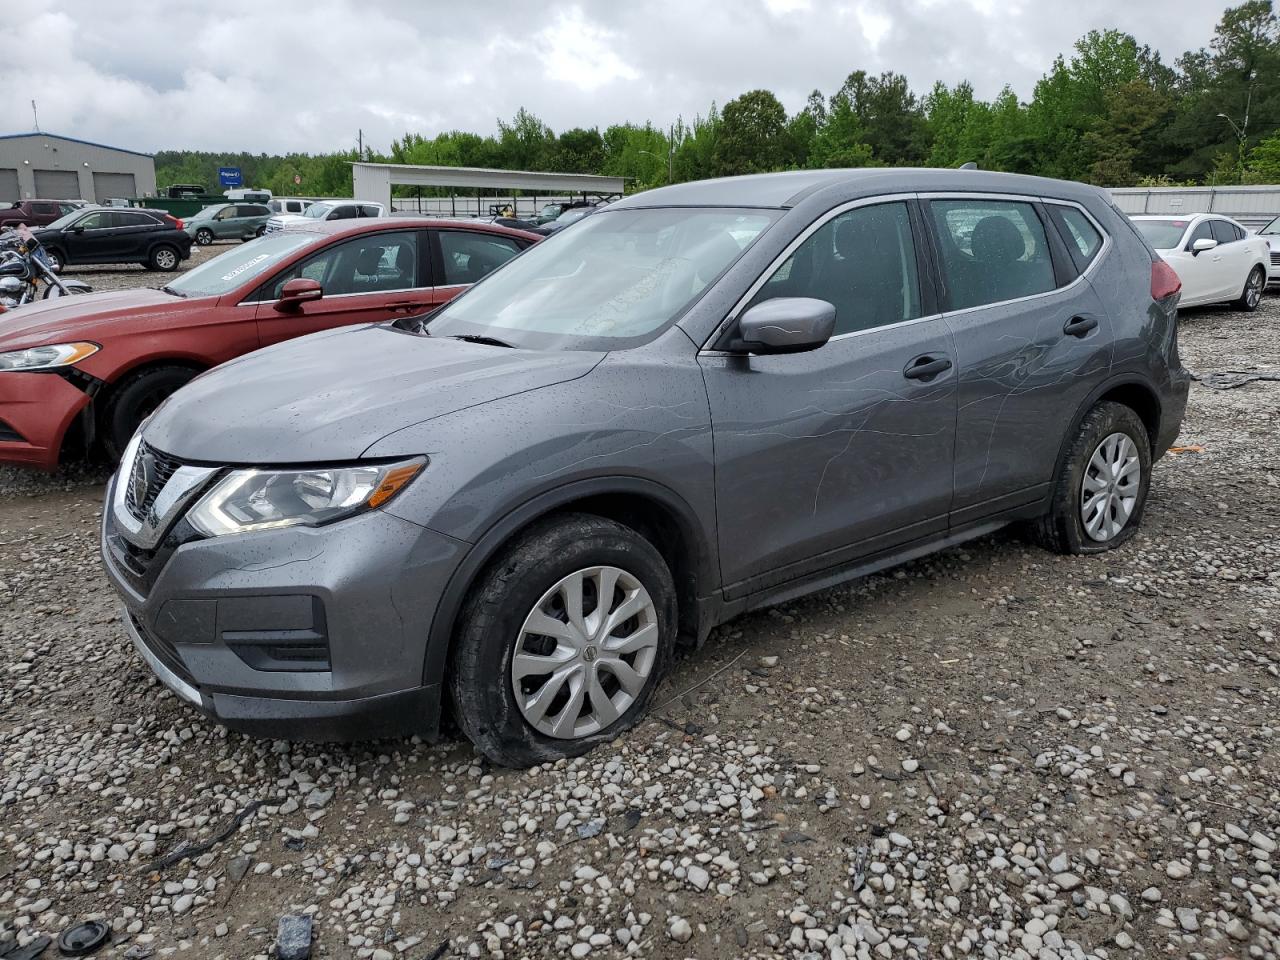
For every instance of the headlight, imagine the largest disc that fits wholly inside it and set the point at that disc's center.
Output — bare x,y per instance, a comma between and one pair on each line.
47,358
267,499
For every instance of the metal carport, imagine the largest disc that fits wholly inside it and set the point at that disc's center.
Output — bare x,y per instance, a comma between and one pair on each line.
373,181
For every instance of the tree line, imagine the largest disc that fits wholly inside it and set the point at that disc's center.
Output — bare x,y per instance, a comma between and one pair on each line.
1110,112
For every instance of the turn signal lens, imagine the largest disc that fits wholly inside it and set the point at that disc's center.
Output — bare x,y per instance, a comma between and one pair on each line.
391,484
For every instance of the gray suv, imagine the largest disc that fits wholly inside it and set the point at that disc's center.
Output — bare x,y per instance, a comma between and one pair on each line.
702,400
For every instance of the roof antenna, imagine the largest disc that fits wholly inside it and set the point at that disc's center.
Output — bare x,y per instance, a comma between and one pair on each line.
35,118
969,166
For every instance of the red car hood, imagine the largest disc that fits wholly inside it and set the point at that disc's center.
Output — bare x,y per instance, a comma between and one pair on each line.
89,316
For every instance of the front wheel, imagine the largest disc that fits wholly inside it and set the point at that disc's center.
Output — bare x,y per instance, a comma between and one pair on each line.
1251,295
204,236
562,641
135,399
1100,492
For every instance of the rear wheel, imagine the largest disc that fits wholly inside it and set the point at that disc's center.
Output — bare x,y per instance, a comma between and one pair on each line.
204,236
1251,295
163,257
562,641
136,398
1101,489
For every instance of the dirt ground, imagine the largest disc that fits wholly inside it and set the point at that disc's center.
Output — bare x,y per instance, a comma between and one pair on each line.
993,751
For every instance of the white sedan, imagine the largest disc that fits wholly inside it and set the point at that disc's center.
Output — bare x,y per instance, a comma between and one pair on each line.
1216,259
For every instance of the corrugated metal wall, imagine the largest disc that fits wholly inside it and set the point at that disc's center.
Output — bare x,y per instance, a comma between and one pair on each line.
1252,206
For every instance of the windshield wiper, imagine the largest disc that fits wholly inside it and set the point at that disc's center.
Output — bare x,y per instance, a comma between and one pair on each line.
169,290
480,338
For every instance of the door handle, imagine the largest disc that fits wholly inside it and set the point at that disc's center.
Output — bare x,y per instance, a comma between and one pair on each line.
1079,326
926,368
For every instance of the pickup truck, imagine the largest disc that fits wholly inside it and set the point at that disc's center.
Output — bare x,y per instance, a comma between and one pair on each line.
37,213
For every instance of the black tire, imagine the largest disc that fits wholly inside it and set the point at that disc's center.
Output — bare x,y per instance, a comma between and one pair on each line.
479,674
56,259
1251,296
133,399
1062,529
204,236
163,257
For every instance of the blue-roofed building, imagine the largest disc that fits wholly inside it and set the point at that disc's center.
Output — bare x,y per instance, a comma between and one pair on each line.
48,166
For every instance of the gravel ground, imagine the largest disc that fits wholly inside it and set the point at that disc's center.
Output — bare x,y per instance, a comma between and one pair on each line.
994,752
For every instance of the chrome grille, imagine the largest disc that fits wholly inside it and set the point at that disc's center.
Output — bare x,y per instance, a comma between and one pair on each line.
163,467
1275,258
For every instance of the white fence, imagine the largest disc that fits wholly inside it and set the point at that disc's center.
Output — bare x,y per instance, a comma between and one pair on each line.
1252,206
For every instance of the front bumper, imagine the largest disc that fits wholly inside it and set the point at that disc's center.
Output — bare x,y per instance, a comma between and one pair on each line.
304,633
35,411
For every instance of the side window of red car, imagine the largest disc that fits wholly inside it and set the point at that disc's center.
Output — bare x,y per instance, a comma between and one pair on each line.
372,263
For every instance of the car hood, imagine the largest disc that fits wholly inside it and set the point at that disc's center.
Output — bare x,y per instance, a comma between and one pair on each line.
332,395
86,316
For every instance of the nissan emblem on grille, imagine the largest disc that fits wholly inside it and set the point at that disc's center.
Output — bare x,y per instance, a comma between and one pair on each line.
144,472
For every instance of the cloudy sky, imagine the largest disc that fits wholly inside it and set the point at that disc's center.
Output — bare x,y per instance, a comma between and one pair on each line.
306,74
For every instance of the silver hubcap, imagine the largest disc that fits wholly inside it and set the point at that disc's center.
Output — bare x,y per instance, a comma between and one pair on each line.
165,259
1109,491
585,652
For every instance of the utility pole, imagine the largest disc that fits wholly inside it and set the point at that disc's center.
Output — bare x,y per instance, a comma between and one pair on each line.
35,117
360,142
1241,131
671,154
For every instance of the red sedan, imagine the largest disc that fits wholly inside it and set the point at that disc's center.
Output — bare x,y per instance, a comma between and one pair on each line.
93,367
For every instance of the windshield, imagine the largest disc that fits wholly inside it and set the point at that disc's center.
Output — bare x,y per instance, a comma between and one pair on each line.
237,267
204,213
318,211
577,213
1272,229
65,220
616,280
1162,234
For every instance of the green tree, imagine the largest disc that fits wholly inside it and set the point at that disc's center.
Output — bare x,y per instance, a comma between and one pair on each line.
1263,165
959,124
579,151
752,135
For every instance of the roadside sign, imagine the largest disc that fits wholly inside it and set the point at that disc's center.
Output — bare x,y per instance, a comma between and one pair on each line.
229,176
297,179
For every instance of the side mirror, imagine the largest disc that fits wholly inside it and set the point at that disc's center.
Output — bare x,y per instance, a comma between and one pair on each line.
1203,244
77,229
298,291
785,325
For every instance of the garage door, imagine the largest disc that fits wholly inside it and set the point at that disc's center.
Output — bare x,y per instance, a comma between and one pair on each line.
57,185
107,185
9,186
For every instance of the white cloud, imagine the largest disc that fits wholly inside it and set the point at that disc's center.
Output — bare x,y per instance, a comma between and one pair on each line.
307,74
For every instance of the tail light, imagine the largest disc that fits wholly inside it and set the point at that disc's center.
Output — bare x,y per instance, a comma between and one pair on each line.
177,223
1164,281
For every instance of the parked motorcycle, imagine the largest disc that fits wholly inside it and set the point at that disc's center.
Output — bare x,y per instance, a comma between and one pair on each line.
26,273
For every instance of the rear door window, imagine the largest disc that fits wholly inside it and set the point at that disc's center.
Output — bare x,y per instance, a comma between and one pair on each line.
991,251
469,257
1078,232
